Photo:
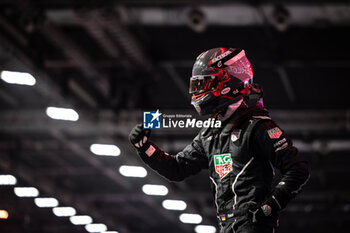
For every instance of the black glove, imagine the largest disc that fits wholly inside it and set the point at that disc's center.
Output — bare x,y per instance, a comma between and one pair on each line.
258,212
139,137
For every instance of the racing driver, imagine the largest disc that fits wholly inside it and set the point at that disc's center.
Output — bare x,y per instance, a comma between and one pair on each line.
241,155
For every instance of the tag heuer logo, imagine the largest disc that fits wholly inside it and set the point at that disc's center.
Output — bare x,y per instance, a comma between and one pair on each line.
223,164
274,133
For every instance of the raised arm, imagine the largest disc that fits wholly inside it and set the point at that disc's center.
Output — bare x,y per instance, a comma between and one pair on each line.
177,167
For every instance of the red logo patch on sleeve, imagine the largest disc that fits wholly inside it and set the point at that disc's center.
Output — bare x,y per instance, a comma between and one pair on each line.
274,133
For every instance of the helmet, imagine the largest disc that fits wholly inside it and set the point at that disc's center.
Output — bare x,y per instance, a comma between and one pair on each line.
220,77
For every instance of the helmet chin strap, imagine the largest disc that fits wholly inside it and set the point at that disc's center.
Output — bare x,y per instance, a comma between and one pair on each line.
222,116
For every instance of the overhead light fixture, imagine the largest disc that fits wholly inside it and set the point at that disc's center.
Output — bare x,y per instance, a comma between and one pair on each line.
205,229
80,220
197,20
64,211
190,218
96,227
8,180
66,114
105,149
132,171
174,204
110,232
153,189
20,78
280,17
26,191
4,214
45,202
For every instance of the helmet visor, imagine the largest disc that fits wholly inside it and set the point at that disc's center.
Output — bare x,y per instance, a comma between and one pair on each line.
202,83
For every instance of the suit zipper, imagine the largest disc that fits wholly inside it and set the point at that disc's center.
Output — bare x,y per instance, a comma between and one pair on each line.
220,143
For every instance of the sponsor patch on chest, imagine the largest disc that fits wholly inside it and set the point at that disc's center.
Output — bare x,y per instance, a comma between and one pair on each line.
223,164
274,133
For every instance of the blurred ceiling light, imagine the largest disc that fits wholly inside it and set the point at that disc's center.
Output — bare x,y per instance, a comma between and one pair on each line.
152,189
64,211
196,20
20,78
26,191
174,204
4,214
280,17
66,114
80,219
45,202
133,171
8,180
205,229
105,149
110,232
96,227
191,218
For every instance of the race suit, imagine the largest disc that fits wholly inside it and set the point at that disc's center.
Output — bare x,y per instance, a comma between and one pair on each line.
241,157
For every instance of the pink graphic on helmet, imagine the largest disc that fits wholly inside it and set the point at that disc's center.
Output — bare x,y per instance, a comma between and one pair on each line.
240,67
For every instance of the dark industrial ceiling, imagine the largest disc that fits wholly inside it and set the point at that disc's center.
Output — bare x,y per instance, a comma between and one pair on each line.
112,60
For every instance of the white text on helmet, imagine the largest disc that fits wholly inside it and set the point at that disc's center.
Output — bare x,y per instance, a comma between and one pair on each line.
221,56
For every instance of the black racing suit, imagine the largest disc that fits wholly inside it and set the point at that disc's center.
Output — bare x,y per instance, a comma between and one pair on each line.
241,157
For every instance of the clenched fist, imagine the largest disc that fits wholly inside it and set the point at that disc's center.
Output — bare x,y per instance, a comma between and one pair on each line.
139,137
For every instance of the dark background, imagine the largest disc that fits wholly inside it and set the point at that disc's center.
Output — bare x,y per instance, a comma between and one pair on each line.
111,60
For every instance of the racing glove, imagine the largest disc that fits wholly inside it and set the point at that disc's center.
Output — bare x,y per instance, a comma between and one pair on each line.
139,138
258,212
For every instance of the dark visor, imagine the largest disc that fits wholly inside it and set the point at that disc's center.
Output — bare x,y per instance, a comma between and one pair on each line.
202,83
